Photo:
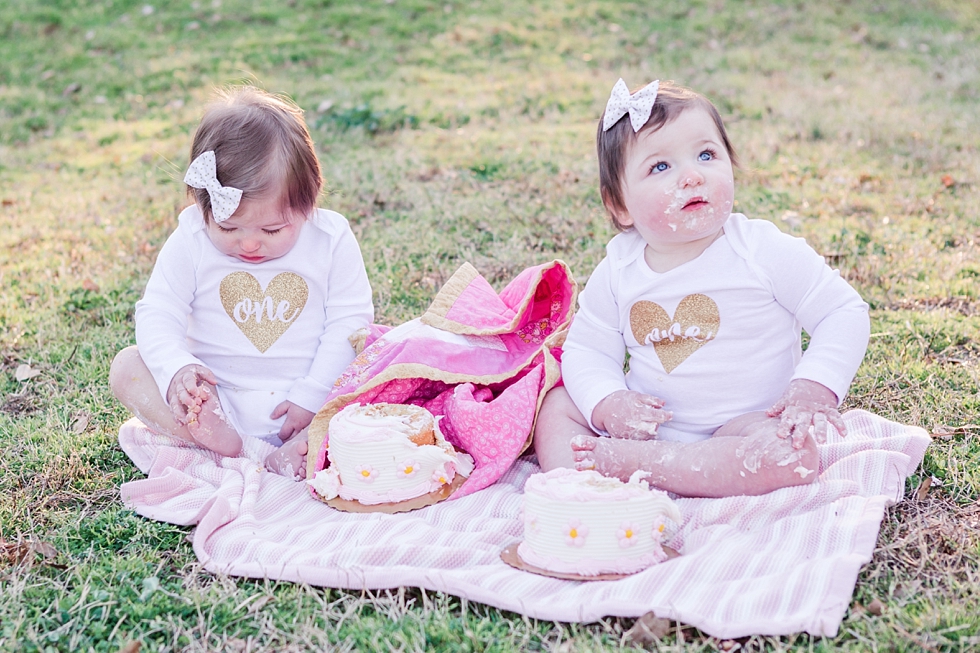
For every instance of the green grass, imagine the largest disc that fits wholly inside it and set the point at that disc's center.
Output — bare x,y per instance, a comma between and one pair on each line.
462,131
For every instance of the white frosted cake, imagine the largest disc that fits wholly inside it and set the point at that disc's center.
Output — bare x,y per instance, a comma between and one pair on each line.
386,453
583,523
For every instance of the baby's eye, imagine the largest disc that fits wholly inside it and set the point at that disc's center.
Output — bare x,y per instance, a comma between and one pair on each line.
659,167
707,155
227,231
272,232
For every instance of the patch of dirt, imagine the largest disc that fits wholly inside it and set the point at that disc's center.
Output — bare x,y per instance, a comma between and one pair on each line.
966,354
929,542
962,305
21,403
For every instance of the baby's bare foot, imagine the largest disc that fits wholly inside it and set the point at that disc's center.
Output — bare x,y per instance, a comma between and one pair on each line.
289,460
583,451
615,457
210,428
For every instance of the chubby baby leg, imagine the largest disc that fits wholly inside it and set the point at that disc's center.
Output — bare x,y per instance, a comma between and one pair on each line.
133,385
776,460
289,460
559,423
745,457
757,463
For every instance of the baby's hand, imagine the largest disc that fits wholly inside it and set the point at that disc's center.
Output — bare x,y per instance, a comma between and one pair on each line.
806,404
630,415
297,419
189,389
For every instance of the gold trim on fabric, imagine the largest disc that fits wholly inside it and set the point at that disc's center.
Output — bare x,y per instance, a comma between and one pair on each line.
552,374
449,293
435,315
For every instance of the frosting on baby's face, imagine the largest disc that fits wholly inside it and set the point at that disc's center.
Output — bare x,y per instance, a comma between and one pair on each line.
678,185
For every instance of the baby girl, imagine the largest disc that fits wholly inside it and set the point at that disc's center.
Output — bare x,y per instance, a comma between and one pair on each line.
705,309
243,326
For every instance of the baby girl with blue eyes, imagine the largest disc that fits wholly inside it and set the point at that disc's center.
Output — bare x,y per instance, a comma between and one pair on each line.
705,308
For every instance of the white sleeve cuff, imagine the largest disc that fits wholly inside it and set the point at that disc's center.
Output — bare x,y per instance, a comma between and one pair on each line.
309,394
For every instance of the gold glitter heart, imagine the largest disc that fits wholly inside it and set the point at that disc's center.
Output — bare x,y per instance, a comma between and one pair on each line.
263,315
695,323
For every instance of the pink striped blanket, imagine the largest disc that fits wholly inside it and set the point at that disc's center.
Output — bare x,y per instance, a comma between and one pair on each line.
776,564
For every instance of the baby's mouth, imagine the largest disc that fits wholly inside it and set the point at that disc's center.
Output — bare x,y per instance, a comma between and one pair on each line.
694,204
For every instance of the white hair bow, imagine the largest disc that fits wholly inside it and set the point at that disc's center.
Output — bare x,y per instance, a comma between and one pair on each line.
639,105
203,173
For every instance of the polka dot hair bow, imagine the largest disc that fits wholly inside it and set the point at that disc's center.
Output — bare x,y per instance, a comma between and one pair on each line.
203,173
639,105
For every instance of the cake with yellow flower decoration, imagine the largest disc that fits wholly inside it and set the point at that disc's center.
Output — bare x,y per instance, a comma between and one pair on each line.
385,454
586,524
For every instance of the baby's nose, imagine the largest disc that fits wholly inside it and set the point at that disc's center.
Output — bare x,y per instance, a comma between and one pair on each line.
692,178
249,245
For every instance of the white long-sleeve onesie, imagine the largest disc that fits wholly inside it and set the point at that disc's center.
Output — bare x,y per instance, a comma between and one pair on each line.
718,336
270,332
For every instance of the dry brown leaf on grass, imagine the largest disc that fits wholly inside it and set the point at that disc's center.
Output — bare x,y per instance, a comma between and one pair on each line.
25,552
874,607
944,432
923,490
80,423
131,647
90,285
260,603
12,553
45,549
25,372
255,603
648,629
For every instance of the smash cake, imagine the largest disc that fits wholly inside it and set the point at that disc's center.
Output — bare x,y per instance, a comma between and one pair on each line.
385,454
586,524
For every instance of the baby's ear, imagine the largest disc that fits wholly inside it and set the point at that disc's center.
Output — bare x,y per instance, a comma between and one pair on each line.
619,215
621,219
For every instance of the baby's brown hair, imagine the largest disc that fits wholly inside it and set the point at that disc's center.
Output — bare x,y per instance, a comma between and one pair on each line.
261,146
613,146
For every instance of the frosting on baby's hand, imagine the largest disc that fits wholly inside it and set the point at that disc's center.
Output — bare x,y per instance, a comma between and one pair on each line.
806,408
631,415
189,390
